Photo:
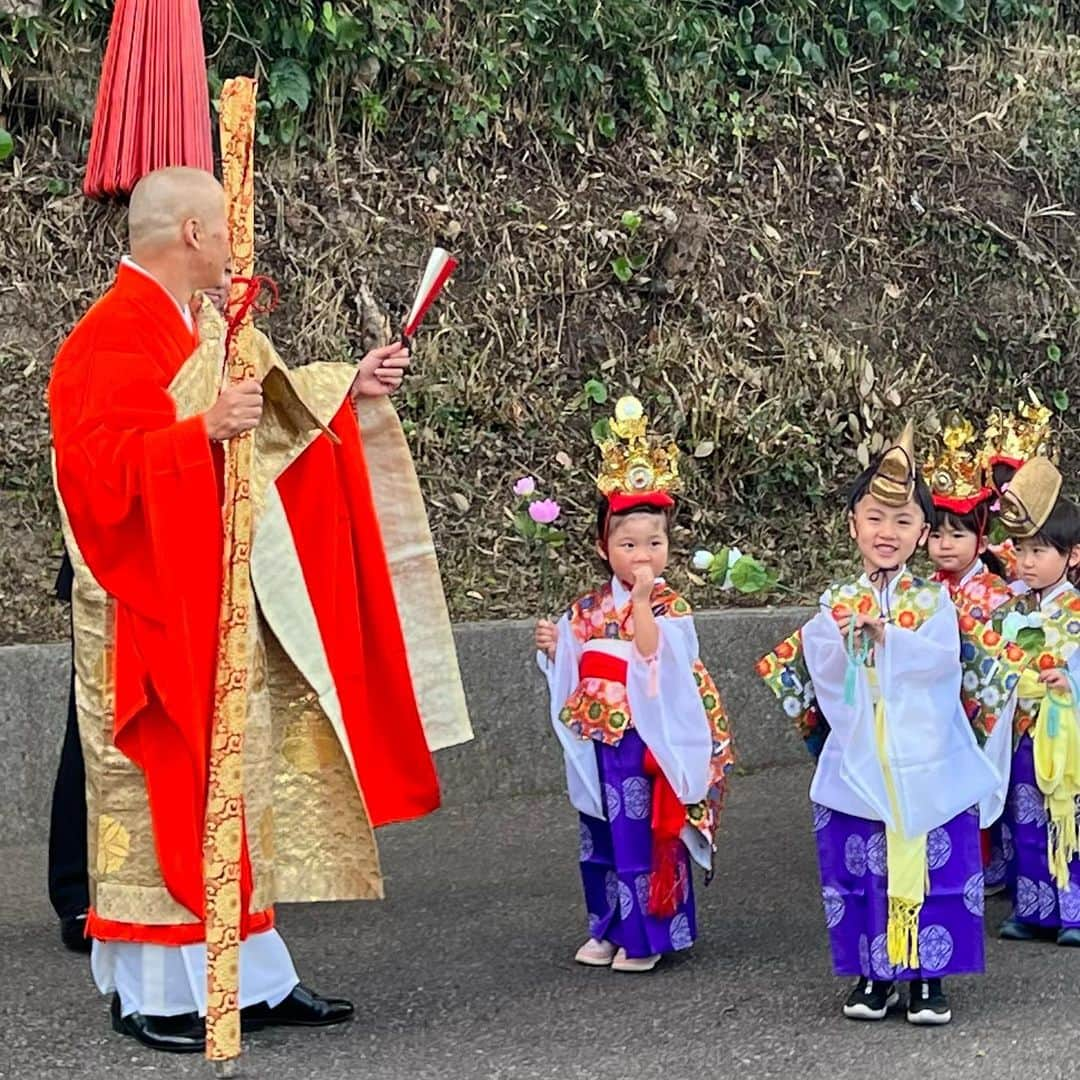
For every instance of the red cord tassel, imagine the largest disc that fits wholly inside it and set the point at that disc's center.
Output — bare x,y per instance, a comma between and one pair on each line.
153,106
249,300
668,818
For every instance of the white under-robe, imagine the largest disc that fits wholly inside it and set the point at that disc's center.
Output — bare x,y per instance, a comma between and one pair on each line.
936,765
169,980
665,706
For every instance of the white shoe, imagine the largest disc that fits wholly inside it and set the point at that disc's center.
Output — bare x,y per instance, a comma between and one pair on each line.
595,953
622,962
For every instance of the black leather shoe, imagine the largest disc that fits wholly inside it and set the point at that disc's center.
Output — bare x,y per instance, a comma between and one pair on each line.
73,933
302,1008
185,1034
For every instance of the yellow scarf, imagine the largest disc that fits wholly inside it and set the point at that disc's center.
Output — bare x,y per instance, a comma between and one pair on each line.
1057,770
907,870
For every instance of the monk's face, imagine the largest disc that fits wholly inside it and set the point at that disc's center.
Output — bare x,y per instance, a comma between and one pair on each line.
219,294
208,243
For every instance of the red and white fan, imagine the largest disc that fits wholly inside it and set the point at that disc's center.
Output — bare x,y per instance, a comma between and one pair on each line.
440,266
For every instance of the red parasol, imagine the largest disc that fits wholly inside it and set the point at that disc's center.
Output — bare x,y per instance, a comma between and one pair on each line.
153,106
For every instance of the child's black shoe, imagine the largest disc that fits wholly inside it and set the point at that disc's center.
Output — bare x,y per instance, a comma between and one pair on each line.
870,1000
927,1003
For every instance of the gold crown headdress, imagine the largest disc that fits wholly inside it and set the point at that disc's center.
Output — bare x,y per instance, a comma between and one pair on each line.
1031,497
634,468
955,474
1011,438
893,482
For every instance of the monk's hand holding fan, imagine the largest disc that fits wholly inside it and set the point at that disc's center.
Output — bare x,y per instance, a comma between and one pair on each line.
381,371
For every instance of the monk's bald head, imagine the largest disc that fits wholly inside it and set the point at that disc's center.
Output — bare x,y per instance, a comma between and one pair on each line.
164,200
177,226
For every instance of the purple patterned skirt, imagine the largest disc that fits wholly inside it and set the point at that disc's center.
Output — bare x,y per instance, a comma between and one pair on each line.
616,859
851,854
996,870
1036,899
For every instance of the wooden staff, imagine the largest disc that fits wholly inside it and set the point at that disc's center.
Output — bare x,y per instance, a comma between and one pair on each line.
224,829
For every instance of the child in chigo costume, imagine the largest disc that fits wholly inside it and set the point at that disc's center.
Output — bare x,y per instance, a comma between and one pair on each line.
958,547
1010,440
1037,641
900,774
640,721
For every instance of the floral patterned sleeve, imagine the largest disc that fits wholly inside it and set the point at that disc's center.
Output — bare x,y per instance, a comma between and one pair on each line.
785,673
992,666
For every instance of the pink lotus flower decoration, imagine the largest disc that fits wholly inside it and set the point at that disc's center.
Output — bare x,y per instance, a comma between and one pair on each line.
525,486
544,511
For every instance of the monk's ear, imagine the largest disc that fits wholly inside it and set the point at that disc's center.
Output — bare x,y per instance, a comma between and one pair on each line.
601,550
1074,555
924,535
190,232
851,525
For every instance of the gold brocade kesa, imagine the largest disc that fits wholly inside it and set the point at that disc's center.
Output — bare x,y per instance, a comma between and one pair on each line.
632,463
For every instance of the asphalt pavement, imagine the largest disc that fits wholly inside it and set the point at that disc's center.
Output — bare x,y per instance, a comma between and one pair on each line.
465,972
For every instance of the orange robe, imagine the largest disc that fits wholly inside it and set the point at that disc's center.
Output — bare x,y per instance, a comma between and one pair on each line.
141,491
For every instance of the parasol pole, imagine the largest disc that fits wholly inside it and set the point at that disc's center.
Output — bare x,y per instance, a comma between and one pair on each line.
224,827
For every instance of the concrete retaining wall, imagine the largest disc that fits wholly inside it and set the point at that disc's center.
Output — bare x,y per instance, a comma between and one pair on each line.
514,752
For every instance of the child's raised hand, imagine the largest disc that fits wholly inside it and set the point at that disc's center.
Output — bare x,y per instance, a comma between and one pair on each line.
644,580
1055,679
547,637
873,627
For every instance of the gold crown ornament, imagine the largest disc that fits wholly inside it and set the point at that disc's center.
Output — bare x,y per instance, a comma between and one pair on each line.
893,482
1030,498
636,469
1011,438
955,473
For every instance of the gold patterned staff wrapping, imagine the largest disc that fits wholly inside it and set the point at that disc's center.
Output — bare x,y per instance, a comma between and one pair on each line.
224,828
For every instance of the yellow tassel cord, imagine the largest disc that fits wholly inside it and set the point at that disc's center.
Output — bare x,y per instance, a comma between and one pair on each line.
1056,747
908,873
1062,841
903,932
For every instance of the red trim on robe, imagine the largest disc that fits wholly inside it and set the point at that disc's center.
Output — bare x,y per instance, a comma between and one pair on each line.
161,934
327,498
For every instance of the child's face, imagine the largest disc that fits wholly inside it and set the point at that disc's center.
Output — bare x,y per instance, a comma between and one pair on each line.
952,548
887,536
636,540
1041,564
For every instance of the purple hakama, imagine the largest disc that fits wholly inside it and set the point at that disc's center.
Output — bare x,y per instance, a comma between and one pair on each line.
1036,898
852,857
996,870
616,860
